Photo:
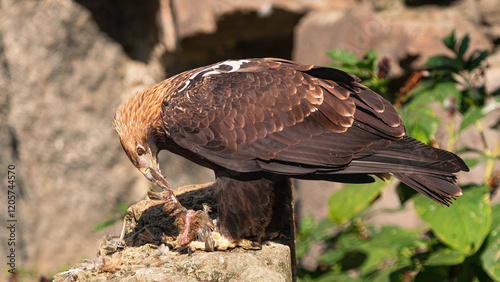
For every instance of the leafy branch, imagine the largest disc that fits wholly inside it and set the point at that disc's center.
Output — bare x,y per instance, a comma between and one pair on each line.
462,242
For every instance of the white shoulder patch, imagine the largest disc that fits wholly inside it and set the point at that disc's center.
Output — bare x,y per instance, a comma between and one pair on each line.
224,67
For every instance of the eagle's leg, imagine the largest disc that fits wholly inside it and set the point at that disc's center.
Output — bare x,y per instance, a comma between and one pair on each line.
222,243
209,241
191,224
197,230
195,226
252,206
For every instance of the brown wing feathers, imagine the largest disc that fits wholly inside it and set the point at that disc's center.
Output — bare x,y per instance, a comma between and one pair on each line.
286,118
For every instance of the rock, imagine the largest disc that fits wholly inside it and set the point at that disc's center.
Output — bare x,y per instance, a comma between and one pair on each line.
493,73
400,35
63,80
148,263
490,13
195,16
147,254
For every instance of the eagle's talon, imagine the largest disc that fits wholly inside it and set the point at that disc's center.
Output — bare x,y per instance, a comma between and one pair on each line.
209,244
195,226
218,242
255,245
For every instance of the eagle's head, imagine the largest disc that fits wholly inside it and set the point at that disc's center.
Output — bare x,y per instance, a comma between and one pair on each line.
138,123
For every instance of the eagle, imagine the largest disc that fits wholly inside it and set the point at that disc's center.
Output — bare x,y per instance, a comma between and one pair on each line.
259,122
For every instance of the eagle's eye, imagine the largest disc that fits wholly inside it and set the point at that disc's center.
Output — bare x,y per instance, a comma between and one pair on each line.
140,150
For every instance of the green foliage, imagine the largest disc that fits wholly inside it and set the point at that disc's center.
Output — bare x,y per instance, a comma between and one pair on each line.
311,232
116,215
366,68
464,226
461,69
351,199
391,247
445,256
462,242
491,255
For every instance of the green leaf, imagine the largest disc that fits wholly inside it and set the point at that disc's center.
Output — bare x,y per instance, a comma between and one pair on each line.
445,256
103,224
449,41
309,231
472,162
306,225
470,117
122,207
433,274
332,276
392,243
443,62
331,256
398,272
405,192
117,214
443,74
342,56
371,55
464,149
495,220
393,237
464,45
475,59
491,256
376,85
424,86
369,61
440,92
477,113
445,90
304,236
348,241
361,73
495,93
420,121
352,198
464,225
322,230
302,247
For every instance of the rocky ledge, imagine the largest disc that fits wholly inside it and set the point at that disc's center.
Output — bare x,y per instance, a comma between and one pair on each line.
146,252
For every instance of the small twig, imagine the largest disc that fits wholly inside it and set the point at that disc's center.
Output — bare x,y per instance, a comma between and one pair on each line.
451,134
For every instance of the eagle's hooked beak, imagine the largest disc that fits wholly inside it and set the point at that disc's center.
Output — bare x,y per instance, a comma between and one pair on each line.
147,172
153,173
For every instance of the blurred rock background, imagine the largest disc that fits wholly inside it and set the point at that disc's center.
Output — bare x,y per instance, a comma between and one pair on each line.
65,66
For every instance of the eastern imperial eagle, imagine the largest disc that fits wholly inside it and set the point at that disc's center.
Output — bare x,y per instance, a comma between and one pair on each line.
258,122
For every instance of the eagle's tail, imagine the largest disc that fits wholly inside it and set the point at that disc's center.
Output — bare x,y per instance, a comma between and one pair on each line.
440,189
430,171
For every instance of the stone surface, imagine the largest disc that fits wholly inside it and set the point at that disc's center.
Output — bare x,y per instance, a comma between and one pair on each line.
63,85
63,79
404,36
490,14
150,263
146,253
194,16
